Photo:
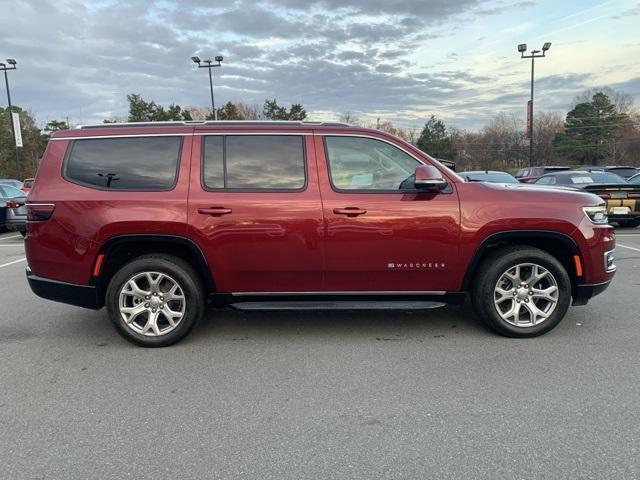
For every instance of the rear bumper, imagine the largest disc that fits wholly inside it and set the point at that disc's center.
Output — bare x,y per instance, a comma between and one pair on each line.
79,295
586,292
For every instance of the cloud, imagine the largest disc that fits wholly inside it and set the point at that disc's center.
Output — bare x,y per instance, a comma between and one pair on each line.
398,59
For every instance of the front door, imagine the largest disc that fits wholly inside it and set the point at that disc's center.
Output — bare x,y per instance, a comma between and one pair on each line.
255,210
380,234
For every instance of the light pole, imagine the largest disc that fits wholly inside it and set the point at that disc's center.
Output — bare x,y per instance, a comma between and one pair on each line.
522,48
4,68
209,64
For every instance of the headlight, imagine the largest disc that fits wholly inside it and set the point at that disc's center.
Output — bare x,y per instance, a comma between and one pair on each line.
597,215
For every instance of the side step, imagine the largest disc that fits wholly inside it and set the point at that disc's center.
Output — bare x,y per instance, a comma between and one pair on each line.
337,305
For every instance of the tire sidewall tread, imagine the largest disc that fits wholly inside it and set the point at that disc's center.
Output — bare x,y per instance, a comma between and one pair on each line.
173,266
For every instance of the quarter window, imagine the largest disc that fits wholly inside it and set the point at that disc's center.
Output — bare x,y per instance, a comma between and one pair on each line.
357,163
136,163
257,162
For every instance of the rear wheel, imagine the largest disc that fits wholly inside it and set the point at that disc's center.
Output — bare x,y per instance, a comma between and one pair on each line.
521,292
155,300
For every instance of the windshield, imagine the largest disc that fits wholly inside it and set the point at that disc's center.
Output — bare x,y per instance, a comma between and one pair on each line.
635,179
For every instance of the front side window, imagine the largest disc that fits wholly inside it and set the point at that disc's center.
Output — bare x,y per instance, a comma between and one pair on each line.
135,163
357,163
256,162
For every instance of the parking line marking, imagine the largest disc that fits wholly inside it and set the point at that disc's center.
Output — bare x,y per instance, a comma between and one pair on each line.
14,262
626,246
10,236
11,245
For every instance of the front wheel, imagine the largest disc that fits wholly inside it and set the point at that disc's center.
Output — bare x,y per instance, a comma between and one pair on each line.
155,300
521,292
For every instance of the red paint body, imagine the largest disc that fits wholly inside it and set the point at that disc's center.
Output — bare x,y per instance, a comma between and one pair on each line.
293,241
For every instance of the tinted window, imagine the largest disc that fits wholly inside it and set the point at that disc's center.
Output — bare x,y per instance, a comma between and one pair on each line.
357,163
28,183
274,162
635,180
624,172
139,163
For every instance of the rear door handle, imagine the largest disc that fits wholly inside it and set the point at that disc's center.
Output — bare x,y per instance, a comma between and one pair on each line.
214,211
349,211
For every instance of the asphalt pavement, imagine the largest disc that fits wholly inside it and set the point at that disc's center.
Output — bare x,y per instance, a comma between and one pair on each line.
320,395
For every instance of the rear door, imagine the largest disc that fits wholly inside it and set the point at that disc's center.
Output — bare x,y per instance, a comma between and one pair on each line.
378,238
255,209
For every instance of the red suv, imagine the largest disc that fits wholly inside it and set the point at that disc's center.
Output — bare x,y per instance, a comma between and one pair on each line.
157,220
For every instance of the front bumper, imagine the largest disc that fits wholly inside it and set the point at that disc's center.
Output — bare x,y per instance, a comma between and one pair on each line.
583,293
79,295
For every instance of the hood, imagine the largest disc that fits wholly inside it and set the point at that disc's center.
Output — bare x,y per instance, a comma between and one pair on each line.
528,192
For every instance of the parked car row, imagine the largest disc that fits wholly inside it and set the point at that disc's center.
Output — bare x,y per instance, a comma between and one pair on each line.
618,186
13,210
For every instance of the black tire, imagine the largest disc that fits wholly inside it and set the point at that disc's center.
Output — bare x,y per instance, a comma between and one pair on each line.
177,269
494,266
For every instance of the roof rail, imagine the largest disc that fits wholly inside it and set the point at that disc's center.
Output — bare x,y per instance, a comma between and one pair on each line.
212,122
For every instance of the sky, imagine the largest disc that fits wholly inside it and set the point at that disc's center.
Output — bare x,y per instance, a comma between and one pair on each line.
397,60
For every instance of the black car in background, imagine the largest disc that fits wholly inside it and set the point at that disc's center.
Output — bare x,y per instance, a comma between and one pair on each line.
624,172
622,197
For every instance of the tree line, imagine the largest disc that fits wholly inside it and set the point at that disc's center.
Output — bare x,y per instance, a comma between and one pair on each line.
600,128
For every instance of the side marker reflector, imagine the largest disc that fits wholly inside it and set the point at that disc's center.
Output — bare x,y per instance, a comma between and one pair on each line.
98,264
578,264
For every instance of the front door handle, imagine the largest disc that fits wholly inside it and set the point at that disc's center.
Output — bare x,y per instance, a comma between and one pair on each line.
349,211
214,211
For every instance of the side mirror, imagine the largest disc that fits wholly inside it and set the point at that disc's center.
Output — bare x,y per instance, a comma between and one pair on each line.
429,179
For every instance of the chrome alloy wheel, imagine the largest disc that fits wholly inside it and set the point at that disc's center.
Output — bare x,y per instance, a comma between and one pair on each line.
526,295
152,303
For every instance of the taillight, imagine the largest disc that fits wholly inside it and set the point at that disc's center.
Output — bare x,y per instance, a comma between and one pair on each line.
12,204
39,211
604,195
633,195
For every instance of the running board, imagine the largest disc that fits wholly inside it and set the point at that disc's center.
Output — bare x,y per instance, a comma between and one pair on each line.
338,305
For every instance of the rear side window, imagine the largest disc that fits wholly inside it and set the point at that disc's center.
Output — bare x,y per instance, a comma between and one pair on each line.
136,163
255,162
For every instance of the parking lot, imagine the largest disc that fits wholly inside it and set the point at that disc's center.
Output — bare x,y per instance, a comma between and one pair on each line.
319,394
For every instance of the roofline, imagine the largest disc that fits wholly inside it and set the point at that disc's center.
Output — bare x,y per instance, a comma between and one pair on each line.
187,123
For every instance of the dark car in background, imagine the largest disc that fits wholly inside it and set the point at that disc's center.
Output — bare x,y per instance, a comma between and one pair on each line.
624,172
13,211
492,176
622,197
531,174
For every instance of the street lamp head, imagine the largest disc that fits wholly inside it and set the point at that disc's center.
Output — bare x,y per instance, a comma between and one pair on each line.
546,46
522,47
11,61
195,59
218,58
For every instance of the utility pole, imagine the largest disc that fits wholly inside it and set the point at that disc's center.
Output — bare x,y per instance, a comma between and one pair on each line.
4,67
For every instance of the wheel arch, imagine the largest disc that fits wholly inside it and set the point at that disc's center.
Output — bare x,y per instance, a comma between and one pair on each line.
122,249
560,245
